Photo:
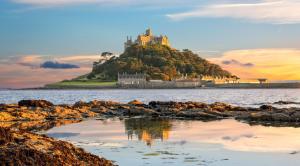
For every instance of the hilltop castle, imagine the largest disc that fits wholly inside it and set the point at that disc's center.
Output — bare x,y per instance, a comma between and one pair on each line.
147,39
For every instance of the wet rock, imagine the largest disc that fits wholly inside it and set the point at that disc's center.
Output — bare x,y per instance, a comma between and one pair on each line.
218,114
261,116
157,104
221,107
100,110
135,102
35,103
6,116
280,117
285,102
266,107
240,109
97,103
80,104
65,106
24,148
193,114
141,111
5,136
3,107
296,116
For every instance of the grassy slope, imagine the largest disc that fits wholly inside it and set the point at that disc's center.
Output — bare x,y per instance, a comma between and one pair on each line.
81,84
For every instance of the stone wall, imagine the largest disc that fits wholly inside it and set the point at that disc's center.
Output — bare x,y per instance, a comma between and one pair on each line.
164,84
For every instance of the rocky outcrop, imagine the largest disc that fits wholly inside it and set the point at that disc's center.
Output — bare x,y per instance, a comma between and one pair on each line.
37,110
41,110
285,102
24,148
35,103
135,102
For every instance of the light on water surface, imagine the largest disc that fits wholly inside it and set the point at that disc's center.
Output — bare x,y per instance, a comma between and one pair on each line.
241,97
140,141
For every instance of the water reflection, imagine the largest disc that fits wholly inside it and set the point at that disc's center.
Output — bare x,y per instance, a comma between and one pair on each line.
147,129
178,142
227,134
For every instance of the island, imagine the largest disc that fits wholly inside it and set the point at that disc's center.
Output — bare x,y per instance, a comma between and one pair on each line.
149,62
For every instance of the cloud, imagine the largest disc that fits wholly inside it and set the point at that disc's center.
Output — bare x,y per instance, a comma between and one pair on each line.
268,11
67,2
235,62
25,71
57,65
274,64
144,3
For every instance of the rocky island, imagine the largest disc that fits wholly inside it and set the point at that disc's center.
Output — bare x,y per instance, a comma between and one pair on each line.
149,61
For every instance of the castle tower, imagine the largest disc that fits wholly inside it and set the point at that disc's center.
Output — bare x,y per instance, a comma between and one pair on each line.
149,32
147,39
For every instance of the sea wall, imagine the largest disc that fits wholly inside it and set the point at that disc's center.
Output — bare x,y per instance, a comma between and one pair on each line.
163,85
256,85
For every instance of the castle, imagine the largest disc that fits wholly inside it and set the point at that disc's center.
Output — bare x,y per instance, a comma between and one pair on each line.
147,39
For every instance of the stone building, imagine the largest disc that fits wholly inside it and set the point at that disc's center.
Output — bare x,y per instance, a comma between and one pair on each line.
137,79
147,39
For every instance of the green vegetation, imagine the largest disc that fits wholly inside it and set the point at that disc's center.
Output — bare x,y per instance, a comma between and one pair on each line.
158,62
81,84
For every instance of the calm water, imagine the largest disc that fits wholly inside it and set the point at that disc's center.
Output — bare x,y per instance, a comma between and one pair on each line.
242,97
164,142
139,142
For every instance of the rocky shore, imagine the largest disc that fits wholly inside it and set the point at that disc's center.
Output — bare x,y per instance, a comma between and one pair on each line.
19,145
44,111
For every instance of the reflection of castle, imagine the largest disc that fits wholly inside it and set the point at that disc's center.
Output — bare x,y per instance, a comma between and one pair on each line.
148,130
147,39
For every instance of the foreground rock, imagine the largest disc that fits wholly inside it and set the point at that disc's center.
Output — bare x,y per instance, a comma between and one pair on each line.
24,148
35,110
35,103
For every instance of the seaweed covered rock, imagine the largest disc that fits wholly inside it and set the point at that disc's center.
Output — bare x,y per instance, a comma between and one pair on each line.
35,103
24,148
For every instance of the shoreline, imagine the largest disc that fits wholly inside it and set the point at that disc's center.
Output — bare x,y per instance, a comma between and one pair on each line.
28,118
117,88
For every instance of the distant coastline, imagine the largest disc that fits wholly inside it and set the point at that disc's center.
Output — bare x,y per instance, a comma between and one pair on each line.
295,85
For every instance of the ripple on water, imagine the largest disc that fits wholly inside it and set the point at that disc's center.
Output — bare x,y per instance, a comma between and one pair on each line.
242,97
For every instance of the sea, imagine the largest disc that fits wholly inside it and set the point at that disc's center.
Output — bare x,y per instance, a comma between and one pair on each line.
239,97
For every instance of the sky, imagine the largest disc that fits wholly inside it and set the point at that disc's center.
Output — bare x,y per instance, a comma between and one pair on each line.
250,38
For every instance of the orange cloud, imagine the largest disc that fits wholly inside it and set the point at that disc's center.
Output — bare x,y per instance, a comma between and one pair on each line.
274,64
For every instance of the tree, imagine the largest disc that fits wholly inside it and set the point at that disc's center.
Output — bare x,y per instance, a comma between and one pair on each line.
158,62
